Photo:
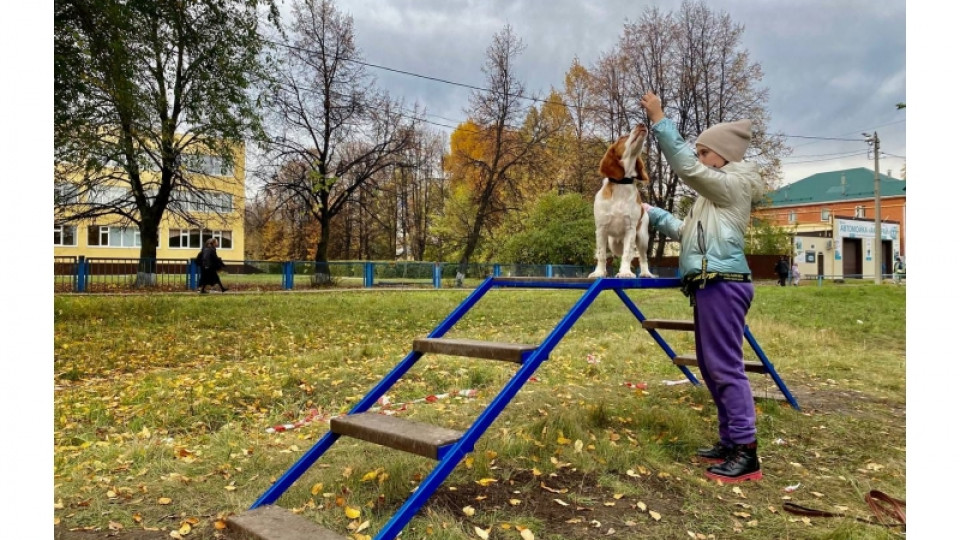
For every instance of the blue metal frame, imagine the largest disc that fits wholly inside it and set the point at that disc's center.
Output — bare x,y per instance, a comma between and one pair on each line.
449,456
654,334
766,363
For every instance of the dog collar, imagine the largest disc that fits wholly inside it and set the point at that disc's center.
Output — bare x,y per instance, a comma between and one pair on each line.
627,180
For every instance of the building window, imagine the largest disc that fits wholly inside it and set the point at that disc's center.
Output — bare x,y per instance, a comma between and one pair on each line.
825,214
205,201
65,193
106,236
64,235
859,212
103,195
792,218
195,238
207,165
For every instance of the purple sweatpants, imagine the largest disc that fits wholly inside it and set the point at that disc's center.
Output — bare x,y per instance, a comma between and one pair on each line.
719,317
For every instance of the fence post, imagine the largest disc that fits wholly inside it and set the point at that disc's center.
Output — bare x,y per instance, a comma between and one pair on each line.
496,270
81,273
550,270
436,275
368,274
191,274
287,275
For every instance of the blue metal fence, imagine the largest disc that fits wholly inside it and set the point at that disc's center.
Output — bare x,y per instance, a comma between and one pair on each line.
114,274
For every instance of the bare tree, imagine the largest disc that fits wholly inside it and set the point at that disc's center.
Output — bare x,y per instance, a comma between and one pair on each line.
327,117
497,112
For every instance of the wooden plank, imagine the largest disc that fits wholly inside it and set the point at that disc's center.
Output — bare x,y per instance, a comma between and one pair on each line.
274,523
764,394
508,352
691,360
664,324
398,433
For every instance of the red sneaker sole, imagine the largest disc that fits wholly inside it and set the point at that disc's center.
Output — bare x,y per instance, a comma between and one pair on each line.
754,476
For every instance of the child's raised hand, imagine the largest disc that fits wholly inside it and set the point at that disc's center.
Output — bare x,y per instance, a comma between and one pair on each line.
653,105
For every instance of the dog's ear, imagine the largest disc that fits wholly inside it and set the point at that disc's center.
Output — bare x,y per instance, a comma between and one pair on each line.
610,166
642,169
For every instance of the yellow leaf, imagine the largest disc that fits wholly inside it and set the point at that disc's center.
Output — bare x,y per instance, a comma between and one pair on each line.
164,500
363,526
469,510
317,488
514,502
175,534
655,515
485,534
618,496
536,472
491,454
642,506
527,534
561,503
561,439
486,481
185,529
372,475
219,524
578,446
351,512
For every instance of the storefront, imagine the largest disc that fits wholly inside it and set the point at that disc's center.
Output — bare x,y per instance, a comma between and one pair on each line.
845,248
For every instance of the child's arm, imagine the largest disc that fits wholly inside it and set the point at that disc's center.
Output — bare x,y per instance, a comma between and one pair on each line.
664,221
712,184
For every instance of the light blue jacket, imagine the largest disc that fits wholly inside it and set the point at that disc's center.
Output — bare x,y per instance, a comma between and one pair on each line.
721,212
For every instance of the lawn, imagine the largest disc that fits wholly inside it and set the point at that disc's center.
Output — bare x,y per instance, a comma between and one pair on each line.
164,404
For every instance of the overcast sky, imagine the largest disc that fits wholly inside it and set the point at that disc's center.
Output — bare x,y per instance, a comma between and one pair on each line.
833,68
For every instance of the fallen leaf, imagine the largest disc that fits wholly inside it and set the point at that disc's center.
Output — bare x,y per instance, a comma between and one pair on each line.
655,515
741,514
485,534
351,512
514,502
317,488
486,481
185,529
578,446
642,506
561,503
219,524
527,534
469,510
164,500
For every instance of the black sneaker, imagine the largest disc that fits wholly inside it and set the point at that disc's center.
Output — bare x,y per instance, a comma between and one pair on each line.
717,454
742,465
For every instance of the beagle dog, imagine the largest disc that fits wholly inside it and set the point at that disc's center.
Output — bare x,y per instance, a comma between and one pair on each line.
620,219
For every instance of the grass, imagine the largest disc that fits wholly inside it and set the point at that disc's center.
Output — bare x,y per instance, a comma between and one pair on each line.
162,403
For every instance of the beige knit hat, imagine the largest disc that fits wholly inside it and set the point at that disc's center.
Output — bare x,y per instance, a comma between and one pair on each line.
729,139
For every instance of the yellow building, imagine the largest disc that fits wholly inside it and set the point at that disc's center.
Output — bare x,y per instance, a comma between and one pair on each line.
217,203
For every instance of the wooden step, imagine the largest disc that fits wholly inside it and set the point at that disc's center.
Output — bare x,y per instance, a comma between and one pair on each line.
664,324
398,433
274,523
508,352
691,360
764,394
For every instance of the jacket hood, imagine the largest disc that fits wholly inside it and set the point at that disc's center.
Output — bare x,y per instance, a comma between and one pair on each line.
751,172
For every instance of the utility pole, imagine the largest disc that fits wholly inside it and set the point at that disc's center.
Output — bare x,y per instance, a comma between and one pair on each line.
877,242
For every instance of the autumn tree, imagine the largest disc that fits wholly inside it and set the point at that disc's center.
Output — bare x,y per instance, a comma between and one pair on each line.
498,144
146,92
327,117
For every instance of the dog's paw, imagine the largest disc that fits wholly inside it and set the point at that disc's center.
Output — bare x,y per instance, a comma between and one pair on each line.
597,274
647,274
626,275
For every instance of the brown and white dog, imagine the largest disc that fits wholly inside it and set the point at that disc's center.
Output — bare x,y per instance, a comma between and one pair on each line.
619,217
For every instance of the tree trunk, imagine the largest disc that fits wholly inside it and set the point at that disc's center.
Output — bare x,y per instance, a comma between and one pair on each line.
321,270
149,241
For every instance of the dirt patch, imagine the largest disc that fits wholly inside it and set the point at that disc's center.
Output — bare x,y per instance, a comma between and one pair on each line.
834,399
590,510
64,534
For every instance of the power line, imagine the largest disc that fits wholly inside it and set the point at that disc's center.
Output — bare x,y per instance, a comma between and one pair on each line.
530,98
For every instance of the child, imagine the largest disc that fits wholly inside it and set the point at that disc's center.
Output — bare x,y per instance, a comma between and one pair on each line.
795,271
715,275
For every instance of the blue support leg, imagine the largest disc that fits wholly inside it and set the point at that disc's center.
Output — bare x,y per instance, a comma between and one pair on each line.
654,334
766,363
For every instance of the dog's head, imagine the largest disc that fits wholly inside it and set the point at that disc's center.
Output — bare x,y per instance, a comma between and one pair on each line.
623,159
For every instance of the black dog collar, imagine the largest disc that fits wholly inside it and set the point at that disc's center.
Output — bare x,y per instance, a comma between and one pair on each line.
627,180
